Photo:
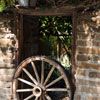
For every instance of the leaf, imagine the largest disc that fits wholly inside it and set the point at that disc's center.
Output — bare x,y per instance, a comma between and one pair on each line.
3,5
6,3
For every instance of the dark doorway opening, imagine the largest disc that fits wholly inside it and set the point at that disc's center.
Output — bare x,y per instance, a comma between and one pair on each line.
48,36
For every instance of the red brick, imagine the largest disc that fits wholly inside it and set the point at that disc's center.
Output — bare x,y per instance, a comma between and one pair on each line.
94,43
88,89
97,37
80,72
83,58
77,97
86,20
88,36
83,28
4,65
94,75
6,55
5,42
93,98
88,82
85,36
96,58
83,43
89,50
7,60
89,66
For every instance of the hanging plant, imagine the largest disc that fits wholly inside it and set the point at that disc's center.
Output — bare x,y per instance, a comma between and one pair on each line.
47,4
5,4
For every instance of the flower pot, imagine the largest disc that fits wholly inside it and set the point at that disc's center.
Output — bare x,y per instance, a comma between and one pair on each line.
23,3
27,3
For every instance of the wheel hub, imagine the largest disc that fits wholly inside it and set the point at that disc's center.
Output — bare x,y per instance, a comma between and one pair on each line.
37,91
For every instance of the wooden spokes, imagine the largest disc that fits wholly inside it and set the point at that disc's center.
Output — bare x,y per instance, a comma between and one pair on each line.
26,82
53,82
24,90
30,76
29,97
57,89
48,97
39,80
42,73
50,73
35,71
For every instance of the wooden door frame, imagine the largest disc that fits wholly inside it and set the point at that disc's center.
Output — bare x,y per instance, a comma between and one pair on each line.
53,12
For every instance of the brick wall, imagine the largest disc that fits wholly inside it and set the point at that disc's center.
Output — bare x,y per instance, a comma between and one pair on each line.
7,55
88,56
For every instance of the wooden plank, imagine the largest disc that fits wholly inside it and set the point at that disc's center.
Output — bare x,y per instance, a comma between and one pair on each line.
18,37
57,89
35,71
74,42
30,76
54,81
49,74
54,11
24,90
26,82
17,53
21,37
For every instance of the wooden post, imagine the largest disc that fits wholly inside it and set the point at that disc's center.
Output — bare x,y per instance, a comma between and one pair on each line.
74,40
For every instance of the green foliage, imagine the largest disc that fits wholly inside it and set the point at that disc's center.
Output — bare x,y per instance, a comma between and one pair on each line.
5,4
51,25
55,30
48,42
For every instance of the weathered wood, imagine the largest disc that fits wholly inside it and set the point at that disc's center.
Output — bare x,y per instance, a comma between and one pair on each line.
35,71
24,90
21,37
42,73
39,90
30,76
57,89
29,97
48,97
50,73
26,82
37,98
56,11
74,42
6,17
55,81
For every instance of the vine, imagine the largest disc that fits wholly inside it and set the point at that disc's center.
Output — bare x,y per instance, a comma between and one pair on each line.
43,4
5,4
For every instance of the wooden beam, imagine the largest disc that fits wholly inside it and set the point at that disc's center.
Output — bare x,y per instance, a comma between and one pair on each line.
4,17
54,11
74,42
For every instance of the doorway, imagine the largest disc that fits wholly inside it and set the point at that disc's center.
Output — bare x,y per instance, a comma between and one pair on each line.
48,36
36,40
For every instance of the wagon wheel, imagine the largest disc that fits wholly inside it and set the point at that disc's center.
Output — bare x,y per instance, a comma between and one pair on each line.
40,78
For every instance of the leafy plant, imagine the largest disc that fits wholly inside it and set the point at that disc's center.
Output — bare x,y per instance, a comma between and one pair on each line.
56,35
5,4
